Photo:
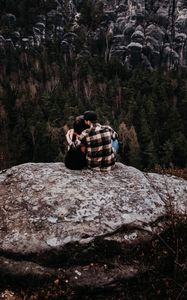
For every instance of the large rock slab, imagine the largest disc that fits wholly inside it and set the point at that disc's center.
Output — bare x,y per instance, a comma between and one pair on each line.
54,217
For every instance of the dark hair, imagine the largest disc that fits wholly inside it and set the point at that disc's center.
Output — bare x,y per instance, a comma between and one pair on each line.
90,116
79,125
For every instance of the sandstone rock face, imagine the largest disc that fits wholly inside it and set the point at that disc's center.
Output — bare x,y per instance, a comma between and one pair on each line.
161,21
55,219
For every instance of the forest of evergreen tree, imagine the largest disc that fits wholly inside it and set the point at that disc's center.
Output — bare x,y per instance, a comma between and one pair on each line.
147,109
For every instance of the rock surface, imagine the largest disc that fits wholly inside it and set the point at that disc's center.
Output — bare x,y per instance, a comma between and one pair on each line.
55,220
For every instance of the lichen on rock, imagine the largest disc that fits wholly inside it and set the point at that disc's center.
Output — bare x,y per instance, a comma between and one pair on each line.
58,218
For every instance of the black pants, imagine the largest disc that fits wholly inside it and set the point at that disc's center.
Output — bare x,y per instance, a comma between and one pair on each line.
75,159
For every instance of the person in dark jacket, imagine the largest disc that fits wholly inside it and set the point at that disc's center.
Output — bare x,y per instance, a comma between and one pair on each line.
75,158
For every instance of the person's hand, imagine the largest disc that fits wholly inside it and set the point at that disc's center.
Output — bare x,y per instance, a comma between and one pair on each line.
83,148
73,146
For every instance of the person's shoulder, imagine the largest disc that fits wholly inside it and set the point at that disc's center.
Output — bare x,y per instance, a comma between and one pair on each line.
70,131
107,127
111,131
85,131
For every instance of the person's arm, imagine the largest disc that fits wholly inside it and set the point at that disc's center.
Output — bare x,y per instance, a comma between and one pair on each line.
81,140
114,134
114,140
69,137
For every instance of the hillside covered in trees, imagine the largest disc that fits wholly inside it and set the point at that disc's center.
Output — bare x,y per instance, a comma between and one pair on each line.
59,58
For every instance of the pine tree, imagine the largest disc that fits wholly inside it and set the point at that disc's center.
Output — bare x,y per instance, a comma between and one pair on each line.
180,150
148,151
167,154
134,149
4,144
124,137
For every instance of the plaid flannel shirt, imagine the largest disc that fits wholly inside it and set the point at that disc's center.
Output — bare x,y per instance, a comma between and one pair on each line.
99,152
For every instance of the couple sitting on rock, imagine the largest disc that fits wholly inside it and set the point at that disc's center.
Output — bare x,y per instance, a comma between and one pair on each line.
91,144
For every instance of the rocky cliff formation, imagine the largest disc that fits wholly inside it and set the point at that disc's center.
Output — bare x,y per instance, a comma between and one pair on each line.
37,37
92,230
146,32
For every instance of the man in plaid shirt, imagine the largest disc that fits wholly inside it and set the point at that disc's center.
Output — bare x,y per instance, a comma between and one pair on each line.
97,140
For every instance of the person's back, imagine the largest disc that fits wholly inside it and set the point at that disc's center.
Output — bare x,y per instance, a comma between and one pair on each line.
100,154
75,158
97,139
